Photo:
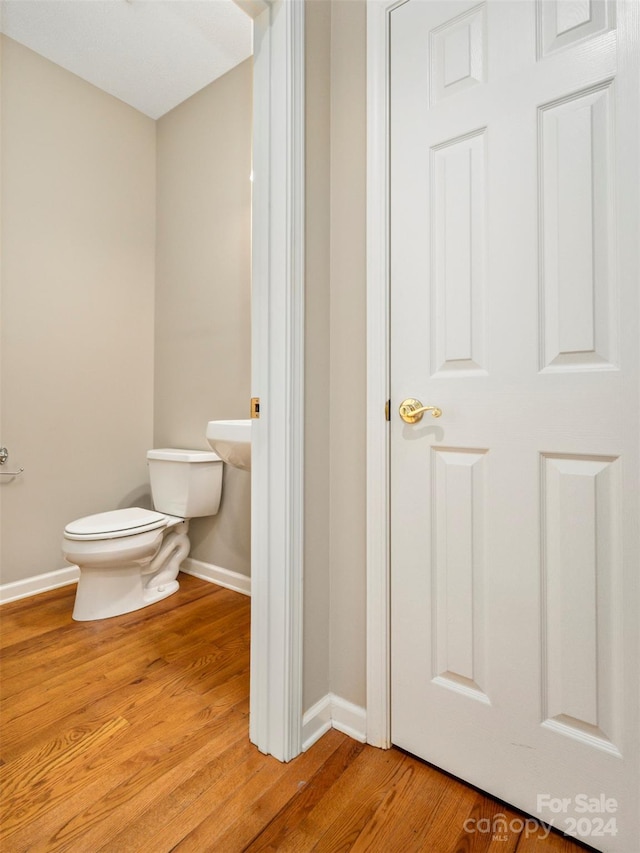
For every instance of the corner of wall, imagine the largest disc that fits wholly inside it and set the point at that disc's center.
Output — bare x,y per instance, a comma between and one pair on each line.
333,712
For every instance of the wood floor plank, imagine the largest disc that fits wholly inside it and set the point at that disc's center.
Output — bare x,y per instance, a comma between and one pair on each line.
70,649
248,784
138,700
130,794
274,834
18,622
35,765
274,795
130,766
30,707
423,795
140,696
54,703
490,826
20,804
221,803
112,667
137,830
360,788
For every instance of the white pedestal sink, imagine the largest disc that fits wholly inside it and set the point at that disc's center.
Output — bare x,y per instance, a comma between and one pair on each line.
231,440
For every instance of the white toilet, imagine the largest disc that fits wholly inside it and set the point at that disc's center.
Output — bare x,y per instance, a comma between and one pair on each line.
130,558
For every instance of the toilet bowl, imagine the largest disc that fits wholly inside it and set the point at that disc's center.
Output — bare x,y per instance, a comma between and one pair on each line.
130,558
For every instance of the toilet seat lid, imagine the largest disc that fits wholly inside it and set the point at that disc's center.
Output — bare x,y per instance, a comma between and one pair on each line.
119,522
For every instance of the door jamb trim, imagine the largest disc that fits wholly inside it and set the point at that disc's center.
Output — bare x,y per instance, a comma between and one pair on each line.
277,377
378,341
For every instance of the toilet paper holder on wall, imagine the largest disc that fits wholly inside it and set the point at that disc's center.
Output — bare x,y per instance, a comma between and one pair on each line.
4,455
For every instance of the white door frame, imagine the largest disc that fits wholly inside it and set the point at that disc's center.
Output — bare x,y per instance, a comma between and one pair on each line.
378,342
277,373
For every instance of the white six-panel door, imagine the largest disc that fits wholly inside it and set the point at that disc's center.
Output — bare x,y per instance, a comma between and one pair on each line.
514,308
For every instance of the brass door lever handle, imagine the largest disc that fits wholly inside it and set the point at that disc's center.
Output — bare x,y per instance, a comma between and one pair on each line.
411,410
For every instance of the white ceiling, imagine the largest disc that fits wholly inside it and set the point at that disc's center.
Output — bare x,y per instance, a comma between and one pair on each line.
152,54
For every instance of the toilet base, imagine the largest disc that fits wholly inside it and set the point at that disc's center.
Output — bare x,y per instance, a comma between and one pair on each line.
102,594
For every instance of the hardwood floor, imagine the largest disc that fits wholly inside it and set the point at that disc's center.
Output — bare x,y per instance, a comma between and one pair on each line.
131,735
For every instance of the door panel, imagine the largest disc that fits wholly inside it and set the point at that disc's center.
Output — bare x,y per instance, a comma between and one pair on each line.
458,626
514,306
577,224
580,575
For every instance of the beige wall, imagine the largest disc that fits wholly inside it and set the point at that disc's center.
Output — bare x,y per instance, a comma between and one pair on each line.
81,280
348,350
335,435
203,291
78,202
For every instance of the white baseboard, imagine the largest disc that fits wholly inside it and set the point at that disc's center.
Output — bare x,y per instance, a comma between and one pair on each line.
63,577
217,575
316,722
38,583
349,718
333,712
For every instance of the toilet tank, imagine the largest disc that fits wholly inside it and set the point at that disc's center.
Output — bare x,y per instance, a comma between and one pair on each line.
185,483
